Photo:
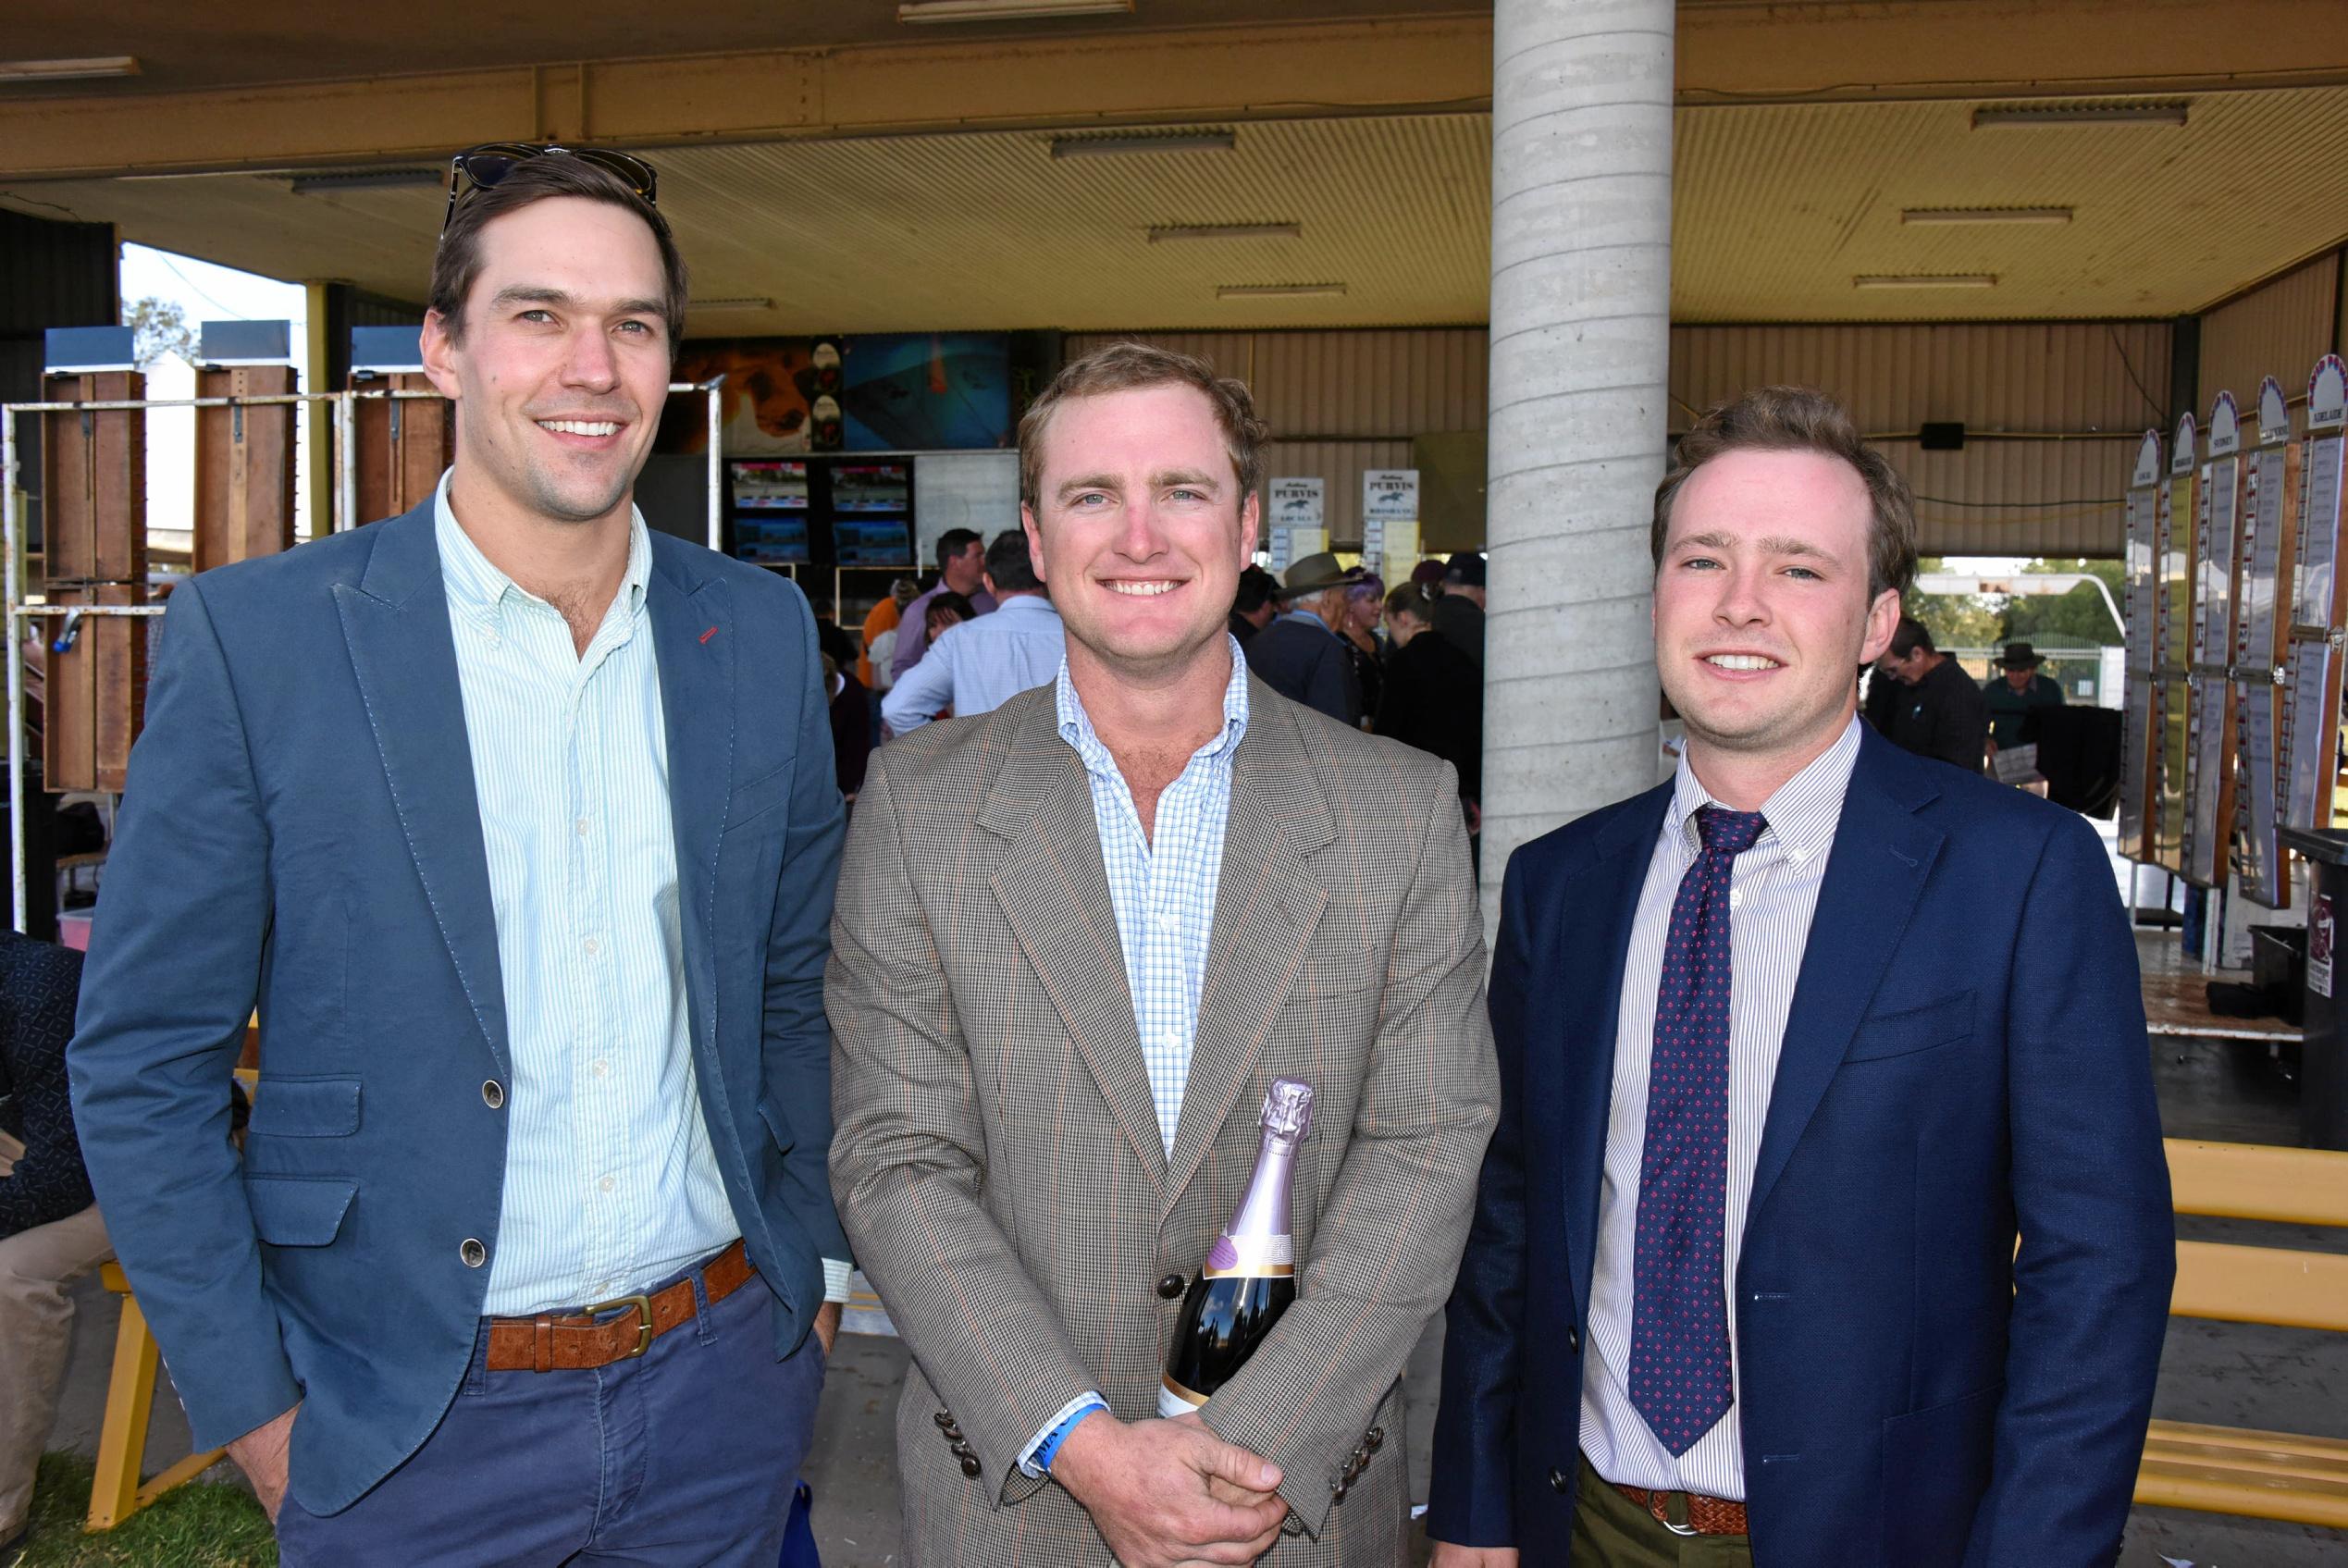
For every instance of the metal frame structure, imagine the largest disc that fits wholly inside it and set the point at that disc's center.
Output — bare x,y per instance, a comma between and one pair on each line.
346,502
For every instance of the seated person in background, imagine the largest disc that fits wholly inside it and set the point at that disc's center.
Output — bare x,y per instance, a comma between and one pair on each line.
51,1233
2018,689
1252,607
943,611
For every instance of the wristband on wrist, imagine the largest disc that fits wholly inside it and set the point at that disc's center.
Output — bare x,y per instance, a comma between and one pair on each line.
1059,1435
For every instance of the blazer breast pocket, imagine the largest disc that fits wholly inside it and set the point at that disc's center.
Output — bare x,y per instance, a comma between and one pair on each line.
1912,1031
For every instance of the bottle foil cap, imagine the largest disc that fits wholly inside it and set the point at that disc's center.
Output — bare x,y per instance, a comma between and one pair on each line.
1287,1108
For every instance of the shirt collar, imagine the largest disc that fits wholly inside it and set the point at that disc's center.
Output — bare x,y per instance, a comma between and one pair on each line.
475,584
1803,812
1076,725
1025,604
1307,615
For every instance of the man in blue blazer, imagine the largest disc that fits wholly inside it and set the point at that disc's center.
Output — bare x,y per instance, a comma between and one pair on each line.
1792,1047
518,822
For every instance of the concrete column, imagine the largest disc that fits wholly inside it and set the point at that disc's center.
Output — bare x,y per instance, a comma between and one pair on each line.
1581,324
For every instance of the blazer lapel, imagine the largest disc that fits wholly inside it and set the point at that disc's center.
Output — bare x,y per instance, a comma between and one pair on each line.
1590,917
1053,891
1874,874
692,645
395,621
1266,906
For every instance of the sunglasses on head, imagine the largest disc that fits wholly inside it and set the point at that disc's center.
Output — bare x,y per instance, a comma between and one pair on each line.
485,166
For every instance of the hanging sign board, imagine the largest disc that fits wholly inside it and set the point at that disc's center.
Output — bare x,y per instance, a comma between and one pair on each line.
1295,502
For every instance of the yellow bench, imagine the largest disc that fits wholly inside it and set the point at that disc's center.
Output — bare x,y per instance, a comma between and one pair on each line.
2234,1470
116,1492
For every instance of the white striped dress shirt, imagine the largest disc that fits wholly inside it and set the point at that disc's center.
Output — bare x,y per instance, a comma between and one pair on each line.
1774,893
610,1183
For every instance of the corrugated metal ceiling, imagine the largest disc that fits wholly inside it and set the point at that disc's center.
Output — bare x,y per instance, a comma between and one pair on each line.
1776,209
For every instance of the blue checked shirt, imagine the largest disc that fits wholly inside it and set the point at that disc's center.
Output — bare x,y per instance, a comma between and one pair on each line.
1162,886
611,1184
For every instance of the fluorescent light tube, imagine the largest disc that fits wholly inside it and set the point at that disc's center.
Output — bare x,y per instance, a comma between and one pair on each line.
1160,232
1926,280
1006,10
1987,116
67,71
1143,141
1954,216
1275,290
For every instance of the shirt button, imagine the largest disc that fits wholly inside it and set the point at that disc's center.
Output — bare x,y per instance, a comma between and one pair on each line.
592,946
582,826
606,1184
474,1254
1736,901
602,1068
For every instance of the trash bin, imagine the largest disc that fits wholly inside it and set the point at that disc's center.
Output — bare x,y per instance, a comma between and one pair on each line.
2323,1086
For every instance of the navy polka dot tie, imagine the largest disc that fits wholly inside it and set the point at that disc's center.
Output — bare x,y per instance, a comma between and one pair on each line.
1679,1372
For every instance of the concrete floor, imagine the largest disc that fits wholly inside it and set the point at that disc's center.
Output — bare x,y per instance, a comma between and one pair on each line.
2231,1373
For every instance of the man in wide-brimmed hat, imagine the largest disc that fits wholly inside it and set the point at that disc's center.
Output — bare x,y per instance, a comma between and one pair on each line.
1300,655
2021,689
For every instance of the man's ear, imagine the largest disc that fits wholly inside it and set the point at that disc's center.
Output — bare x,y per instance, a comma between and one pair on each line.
1034,543
440,349
1882,620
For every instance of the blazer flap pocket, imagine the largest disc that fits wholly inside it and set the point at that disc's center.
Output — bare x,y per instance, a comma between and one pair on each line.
778,1124
760,795
306,1107
1911,1030
299,1211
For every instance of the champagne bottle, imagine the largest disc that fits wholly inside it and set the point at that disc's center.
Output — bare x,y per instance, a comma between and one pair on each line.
1249,1277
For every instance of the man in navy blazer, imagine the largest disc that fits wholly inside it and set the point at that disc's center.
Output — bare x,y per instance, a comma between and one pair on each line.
518,821
1792,1048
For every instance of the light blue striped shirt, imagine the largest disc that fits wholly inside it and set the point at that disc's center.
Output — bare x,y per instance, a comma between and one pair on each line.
610,1183
1162,884
1774,893
1162,887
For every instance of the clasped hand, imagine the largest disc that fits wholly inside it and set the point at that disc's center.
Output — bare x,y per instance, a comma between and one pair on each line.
1168,1493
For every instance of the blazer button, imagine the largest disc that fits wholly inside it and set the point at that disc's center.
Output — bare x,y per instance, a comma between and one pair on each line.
1337,1492
943,1418
970,1466
474,1254
493,1094
1172,1287
1557,1482
1573,1340
1374,1438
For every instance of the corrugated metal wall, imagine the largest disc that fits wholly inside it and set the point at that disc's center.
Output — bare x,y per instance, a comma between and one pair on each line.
2052,411
1339,402
2279,331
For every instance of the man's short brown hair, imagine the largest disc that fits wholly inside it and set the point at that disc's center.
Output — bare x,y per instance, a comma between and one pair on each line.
457,263
1128,367
1803,419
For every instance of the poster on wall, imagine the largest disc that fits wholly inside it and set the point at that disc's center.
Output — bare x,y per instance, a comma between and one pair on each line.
1295,502
926,392
765,406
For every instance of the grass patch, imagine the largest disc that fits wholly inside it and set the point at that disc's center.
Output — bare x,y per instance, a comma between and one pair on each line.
201,1524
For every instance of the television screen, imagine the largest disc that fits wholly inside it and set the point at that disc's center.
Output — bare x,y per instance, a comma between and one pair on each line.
876,541
779,540
878,486
770,486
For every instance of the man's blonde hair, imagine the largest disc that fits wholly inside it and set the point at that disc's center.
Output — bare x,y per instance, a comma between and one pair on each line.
1127,367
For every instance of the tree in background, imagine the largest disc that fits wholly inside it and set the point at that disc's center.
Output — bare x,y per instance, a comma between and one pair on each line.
2073,618
1955,620
161,327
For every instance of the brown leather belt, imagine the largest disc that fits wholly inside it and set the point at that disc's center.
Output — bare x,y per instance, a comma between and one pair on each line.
546,1343
1705,1515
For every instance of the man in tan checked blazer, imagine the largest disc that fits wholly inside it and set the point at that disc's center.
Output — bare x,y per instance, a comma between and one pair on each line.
1075,939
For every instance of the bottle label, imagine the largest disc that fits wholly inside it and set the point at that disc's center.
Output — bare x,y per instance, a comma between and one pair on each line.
1174,1399
1252,1258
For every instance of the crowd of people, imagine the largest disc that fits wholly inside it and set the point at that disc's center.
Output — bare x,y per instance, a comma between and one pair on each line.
1922,701
596,1045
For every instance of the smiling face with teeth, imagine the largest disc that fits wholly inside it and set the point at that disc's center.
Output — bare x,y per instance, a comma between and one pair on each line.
1762,614
563,365
1140,532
